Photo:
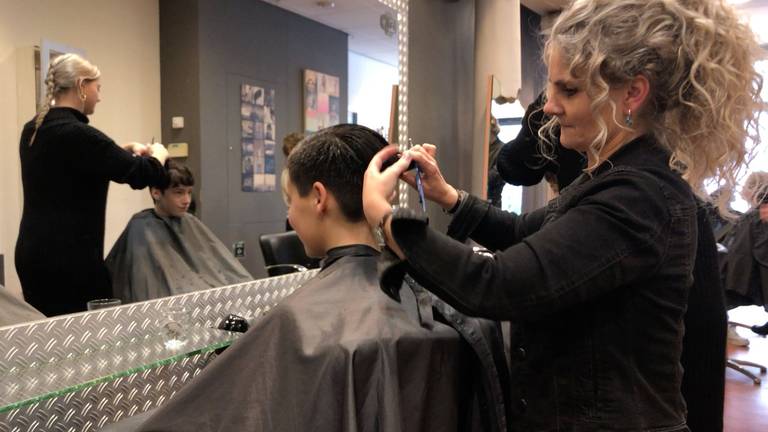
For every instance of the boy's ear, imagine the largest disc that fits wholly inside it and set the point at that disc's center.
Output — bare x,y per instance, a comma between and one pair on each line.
320,196
155,193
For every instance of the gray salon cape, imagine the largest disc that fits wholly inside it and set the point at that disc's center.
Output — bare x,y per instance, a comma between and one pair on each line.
745,267
13,310
336,355
162,256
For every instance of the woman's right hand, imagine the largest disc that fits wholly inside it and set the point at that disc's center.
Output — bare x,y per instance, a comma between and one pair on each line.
158,151
435,187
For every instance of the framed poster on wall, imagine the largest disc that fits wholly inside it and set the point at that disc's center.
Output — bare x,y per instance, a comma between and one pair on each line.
321,100
257,138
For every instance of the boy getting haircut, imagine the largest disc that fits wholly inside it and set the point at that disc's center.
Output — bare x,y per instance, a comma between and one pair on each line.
167,251
340,354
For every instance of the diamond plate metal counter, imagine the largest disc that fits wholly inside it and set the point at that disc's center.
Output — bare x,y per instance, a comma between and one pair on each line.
98,339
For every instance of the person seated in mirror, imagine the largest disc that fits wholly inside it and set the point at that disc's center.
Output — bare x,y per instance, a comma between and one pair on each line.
167,251
745,267
339,353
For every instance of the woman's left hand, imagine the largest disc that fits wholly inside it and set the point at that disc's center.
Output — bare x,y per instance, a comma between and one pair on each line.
380,186
436,189
136,148
140,149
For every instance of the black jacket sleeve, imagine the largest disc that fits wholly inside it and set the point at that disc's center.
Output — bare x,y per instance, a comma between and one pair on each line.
611,238
112,162
490,226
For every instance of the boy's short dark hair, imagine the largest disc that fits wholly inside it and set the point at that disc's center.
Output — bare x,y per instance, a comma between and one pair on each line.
337,157
176,175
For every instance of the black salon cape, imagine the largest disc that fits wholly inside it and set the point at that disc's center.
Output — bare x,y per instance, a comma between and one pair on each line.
162,256
337,355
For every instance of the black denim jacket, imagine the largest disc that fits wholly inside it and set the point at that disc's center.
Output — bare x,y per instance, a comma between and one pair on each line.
595,284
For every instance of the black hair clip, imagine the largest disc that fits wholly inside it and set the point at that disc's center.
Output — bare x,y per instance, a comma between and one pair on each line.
233,323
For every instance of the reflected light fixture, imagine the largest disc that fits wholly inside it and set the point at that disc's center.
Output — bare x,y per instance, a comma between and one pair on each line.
325,4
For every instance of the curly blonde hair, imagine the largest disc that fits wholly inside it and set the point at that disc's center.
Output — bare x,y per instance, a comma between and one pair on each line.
704,102
755,189
65,72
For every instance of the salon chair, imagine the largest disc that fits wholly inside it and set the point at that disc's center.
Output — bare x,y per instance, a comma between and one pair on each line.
735,364
284,253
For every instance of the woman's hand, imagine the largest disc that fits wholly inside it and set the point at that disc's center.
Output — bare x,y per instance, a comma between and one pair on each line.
158,151
435,187
138,149
379,186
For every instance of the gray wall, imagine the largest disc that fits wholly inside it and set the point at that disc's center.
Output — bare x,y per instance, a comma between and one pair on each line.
441,81
253,42
441,87
534,72
180,78
534,79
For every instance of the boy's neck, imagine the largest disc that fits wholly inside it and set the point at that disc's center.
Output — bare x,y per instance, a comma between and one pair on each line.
349,233
160,212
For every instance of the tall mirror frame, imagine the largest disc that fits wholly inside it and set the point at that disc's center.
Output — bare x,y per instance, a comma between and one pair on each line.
401,8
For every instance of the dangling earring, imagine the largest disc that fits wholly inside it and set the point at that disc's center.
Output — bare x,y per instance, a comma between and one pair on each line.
628,118
83,97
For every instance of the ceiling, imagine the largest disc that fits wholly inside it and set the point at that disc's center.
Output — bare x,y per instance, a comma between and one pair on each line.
358,18
543,7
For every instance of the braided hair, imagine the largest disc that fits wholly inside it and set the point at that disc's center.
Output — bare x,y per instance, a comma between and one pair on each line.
65,72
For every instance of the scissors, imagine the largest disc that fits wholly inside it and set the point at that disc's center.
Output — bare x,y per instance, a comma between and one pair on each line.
419,185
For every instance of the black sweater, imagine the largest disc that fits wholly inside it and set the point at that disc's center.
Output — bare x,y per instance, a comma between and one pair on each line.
66,174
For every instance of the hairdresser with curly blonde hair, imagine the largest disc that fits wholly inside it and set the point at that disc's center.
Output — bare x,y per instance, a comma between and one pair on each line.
66,167
659,95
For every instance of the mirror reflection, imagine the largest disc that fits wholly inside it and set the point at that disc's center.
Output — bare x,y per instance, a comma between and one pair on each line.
175,178
506,116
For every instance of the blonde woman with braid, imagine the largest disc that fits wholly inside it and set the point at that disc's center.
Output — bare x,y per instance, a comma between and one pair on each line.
66,167
659,95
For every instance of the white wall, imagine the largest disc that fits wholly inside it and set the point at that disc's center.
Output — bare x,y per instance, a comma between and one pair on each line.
122,39
370,90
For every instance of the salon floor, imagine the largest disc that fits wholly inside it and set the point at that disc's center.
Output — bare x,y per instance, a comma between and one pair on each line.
746,404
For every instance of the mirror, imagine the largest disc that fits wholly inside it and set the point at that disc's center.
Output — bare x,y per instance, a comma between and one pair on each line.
190,96
504,121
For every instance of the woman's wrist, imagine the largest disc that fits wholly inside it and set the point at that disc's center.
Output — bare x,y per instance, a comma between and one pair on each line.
450,199
386,227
